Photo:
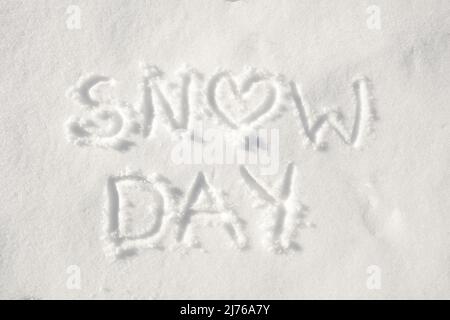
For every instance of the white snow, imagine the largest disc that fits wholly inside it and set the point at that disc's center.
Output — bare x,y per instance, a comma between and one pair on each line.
95,96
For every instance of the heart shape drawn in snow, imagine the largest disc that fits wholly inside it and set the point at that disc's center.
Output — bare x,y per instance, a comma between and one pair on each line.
242,101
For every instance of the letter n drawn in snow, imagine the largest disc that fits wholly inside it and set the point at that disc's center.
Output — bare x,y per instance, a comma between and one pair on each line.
203,205
137,212
284,213
172,99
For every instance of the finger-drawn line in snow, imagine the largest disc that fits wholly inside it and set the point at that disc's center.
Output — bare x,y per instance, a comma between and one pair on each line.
140,211
204,205
132,223
284,213
238,98
173,99
81,92
241,103
106,123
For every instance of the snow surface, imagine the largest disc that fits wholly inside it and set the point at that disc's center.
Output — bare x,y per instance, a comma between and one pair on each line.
89,186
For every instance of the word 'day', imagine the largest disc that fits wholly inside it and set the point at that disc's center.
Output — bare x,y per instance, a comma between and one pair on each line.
148,211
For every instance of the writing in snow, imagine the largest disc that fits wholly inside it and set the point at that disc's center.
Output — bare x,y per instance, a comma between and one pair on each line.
175,216
237,103
234,107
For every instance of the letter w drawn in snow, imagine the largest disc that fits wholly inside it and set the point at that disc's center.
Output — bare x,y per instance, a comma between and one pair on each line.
284,212
313,127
